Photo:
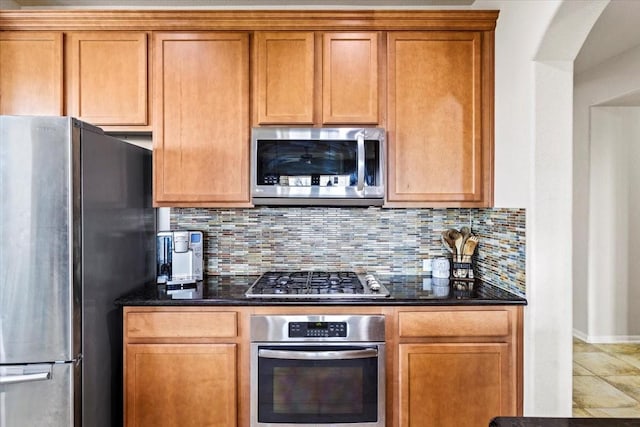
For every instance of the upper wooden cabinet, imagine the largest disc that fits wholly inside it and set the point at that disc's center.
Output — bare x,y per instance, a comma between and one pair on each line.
350,78
424,76
311,78
201,119
31,73
285,77
440,112
107,78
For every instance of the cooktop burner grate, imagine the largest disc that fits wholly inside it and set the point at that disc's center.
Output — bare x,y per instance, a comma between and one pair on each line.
316,284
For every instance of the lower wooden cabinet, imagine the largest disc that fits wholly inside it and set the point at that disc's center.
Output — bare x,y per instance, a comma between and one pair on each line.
454,366
185,366
453,385
458,366
181,385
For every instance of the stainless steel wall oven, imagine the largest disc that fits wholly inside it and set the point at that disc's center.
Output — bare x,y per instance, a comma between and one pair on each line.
325,370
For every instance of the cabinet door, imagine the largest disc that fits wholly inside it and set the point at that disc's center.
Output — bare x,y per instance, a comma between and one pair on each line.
350,78
201,119
107,77
436,149
180,385
453,385
285,77
31,73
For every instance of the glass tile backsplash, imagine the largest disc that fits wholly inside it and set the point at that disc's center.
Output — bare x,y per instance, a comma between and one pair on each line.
376,240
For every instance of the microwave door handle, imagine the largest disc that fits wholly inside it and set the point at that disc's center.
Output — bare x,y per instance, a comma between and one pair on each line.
360,139
318,355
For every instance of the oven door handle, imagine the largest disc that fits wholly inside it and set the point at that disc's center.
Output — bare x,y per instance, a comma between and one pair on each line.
318,355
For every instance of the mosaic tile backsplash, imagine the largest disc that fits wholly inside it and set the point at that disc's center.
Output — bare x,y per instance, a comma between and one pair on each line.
376,240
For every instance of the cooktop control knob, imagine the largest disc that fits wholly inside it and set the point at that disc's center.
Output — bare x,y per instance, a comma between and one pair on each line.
374,285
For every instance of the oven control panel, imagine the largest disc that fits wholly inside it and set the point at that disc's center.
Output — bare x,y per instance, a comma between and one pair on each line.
317,329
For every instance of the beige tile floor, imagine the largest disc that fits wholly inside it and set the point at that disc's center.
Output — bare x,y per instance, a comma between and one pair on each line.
606,380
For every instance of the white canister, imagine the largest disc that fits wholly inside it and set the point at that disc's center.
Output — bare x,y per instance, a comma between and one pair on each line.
440,263
440,267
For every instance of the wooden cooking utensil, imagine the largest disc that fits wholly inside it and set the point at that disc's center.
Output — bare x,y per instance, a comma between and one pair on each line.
459,242
466,232
452,237
469,248
447,242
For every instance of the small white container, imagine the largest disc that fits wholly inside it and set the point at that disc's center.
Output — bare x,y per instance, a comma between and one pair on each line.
440,263
441,268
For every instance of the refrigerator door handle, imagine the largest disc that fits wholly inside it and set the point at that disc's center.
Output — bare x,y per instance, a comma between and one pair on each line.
23,377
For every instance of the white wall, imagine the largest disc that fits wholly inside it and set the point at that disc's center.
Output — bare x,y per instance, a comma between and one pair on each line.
548,381
514,51
536,43
601,84
614,312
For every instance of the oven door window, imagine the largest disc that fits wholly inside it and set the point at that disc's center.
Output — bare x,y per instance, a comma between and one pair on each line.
331,390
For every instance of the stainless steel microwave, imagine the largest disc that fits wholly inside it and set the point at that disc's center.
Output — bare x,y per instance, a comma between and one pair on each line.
317,166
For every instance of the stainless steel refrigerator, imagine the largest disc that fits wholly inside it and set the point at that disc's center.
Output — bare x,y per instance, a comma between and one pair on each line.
77,230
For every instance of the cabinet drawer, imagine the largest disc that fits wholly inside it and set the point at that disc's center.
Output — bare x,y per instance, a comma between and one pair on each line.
454,324
181,324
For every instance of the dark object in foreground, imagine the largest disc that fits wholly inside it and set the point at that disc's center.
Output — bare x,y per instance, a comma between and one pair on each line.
563,422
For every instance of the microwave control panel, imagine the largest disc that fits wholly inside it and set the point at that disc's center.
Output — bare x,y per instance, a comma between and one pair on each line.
317,329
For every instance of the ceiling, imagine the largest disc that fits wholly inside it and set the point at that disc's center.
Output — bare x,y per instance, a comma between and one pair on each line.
631,99
183,4
616,31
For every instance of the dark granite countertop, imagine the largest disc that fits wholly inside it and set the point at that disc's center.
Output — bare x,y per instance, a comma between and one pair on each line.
405,290
564,422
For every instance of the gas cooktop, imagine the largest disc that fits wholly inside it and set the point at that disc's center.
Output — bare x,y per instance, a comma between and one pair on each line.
316,284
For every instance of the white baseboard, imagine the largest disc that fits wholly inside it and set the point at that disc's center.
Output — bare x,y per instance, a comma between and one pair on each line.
606,339
580,335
